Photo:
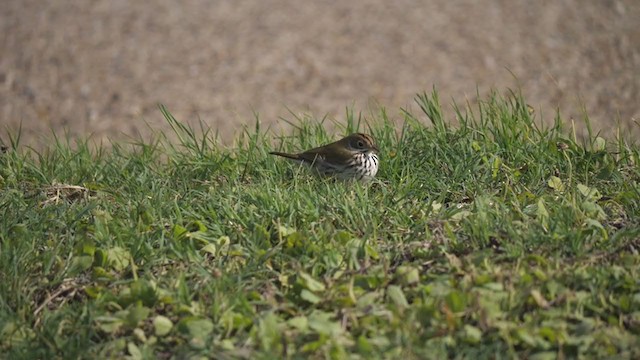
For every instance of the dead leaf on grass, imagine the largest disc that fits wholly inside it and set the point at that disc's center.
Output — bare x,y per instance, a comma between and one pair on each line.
66,291
57,193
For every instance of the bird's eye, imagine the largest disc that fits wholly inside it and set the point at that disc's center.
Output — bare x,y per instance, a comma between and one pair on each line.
360,143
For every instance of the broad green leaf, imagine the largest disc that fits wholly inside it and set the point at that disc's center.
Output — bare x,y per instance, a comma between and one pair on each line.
461,215
537,296
223,241
594,224
137,314
299,322
396,295
196,226
408,275
261,234
343,237
599,144
490,302
309,296
109,323
555,183
457,301
134,351
118,258
143,290
314,346
537,259
140,335
364,345
367,299
593,210
179,232
227,344
80,264
15,334
371,251
162,325
544,355
322,323
494,286
88,248
102,273
285,231
472,334
295,239
209,248
196,327
497,163
542,214
310,283
100,258
527,337
93,291
550,333
589,193
269,331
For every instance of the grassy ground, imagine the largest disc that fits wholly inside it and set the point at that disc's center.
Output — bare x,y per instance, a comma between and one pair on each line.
495,238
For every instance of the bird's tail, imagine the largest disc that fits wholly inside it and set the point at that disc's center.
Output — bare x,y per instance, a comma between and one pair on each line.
288,156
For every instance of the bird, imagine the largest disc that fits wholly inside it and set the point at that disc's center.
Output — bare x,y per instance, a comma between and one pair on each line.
354,157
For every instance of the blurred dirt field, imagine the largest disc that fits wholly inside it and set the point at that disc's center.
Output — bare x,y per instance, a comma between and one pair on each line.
100,67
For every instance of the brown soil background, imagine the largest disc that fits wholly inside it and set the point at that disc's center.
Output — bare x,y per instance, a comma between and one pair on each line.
100,67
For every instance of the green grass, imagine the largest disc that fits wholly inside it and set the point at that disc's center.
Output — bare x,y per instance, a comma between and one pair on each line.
493,238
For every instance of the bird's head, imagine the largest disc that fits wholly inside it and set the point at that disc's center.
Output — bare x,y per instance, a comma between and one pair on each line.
359,142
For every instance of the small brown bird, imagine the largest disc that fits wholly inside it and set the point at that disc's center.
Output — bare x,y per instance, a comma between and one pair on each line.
352,157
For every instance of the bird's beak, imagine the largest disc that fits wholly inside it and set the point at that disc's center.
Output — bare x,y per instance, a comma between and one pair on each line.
375,148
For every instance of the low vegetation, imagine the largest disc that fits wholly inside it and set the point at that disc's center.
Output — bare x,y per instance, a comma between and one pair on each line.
496,237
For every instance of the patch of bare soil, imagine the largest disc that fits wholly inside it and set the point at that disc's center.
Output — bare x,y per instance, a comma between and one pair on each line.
100,67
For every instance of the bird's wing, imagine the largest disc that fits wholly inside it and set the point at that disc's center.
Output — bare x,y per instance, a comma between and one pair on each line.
310,156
